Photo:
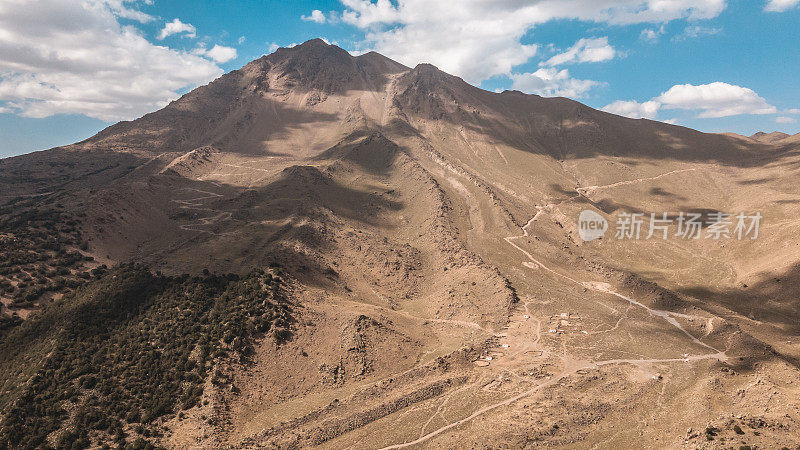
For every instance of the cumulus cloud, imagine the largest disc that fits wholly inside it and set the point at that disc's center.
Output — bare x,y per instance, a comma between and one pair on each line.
715,100
63,57
478,39
780,5
585,50
365,13
315,16
550,82
784,119
177,27
633,109
217,53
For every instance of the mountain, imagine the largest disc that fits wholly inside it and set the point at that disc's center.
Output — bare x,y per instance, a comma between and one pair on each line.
321,248
769,138
795,139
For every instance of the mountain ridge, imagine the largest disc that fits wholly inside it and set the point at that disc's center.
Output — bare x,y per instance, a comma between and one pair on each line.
228,102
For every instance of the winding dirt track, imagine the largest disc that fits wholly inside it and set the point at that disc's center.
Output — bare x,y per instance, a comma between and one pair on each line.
196,204
668,316
589,189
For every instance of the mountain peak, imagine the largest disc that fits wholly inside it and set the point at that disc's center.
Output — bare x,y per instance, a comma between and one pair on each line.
769,138
425,67
313,48
316,42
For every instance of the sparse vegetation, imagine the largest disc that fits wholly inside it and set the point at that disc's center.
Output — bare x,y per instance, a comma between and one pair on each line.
127,350
40,253
711,433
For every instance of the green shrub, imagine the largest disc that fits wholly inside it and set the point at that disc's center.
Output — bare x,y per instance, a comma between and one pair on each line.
129,339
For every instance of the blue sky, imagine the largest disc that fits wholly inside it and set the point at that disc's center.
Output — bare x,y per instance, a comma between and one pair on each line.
69,68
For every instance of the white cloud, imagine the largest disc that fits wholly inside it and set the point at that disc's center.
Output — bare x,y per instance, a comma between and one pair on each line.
550,82
652,34
217,53
274,46
715,100
475,56
784,119
365,13
241,40
712,100
316,16
67,57
585,50
633,109
780,5
478,39
120,10
695,31
177,27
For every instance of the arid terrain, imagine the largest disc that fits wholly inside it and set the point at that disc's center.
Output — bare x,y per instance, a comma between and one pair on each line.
381,256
